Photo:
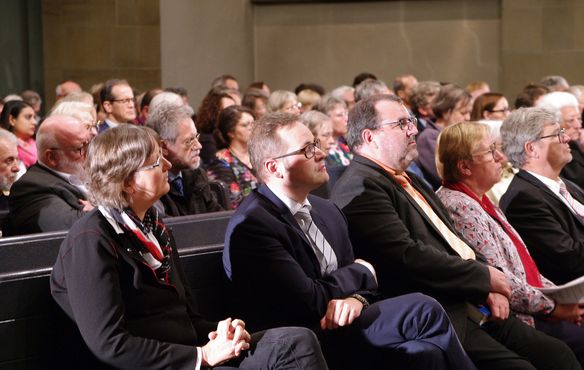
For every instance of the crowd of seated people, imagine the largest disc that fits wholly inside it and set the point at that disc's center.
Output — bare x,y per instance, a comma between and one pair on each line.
412,243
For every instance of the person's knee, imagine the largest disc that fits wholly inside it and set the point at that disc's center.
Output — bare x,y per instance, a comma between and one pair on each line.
562,354
292,336
423,355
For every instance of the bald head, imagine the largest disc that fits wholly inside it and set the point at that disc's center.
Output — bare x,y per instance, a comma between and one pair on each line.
62,142
65,88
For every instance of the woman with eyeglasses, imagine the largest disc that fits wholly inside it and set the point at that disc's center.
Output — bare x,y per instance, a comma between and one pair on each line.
490,106
283,101
232,166
339,153
118,276
19,118
469,162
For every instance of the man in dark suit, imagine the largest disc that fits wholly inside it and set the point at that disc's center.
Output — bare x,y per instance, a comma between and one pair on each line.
400,225
189,186
546,209
51,195
117,101
288,253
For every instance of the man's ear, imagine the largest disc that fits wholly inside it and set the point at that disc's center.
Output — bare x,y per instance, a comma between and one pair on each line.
367,136
50,158
272,168
530,150
164,148
107,106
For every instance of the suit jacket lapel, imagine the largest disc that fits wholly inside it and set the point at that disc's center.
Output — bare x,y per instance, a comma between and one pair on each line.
411,200
284,212
526,176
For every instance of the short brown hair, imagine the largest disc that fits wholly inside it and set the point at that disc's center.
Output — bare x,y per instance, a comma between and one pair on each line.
484,103
264,142
447,99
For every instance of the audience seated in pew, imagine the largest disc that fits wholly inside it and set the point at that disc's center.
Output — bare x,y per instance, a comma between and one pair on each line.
189,186
52,195
289,256
118,277
402,228
470,162
9,165
545,209
564,106
232,166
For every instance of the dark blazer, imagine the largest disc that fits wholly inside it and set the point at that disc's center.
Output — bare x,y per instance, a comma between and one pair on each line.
198,197
427,154
271,263
127,317
43,201
390,230
574,171
553,235
102,126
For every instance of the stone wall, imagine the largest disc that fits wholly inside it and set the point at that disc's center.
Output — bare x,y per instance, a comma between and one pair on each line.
90,41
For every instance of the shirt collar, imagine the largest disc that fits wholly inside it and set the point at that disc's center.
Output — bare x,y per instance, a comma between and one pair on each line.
71,179
172,176
290,203
553,185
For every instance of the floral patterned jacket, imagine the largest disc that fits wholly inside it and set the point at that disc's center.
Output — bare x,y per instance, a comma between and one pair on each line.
489,238
239,178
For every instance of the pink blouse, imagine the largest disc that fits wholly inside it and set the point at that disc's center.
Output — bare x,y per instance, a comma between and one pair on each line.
27,151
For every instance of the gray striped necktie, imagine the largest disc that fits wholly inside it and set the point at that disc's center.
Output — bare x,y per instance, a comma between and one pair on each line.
324,252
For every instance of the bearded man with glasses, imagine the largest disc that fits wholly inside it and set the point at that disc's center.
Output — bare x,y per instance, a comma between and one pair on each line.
289,257
52,195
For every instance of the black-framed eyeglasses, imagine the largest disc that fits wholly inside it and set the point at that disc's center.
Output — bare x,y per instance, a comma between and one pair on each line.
403,123
493,149
309,150
153,165
124,101
561,135
82,150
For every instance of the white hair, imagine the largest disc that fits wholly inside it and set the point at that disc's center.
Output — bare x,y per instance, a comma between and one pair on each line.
555,101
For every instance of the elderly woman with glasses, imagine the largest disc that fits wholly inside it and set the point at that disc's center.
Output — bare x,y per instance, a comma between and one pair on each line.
469,162
119,278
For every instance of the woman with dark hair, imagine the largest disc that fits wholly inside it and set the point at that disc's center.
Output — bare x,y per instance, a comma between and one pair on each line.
118,276
233,166
19,118
206,121
491,106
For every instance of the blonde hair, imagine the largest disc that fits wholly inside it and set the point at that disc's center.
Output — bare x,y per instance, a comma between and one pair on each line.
457,143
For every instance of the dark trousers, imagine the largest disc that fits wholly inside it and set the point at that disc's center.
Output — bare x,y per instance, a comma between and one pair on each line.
510,344
570,333
286,348
405,332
